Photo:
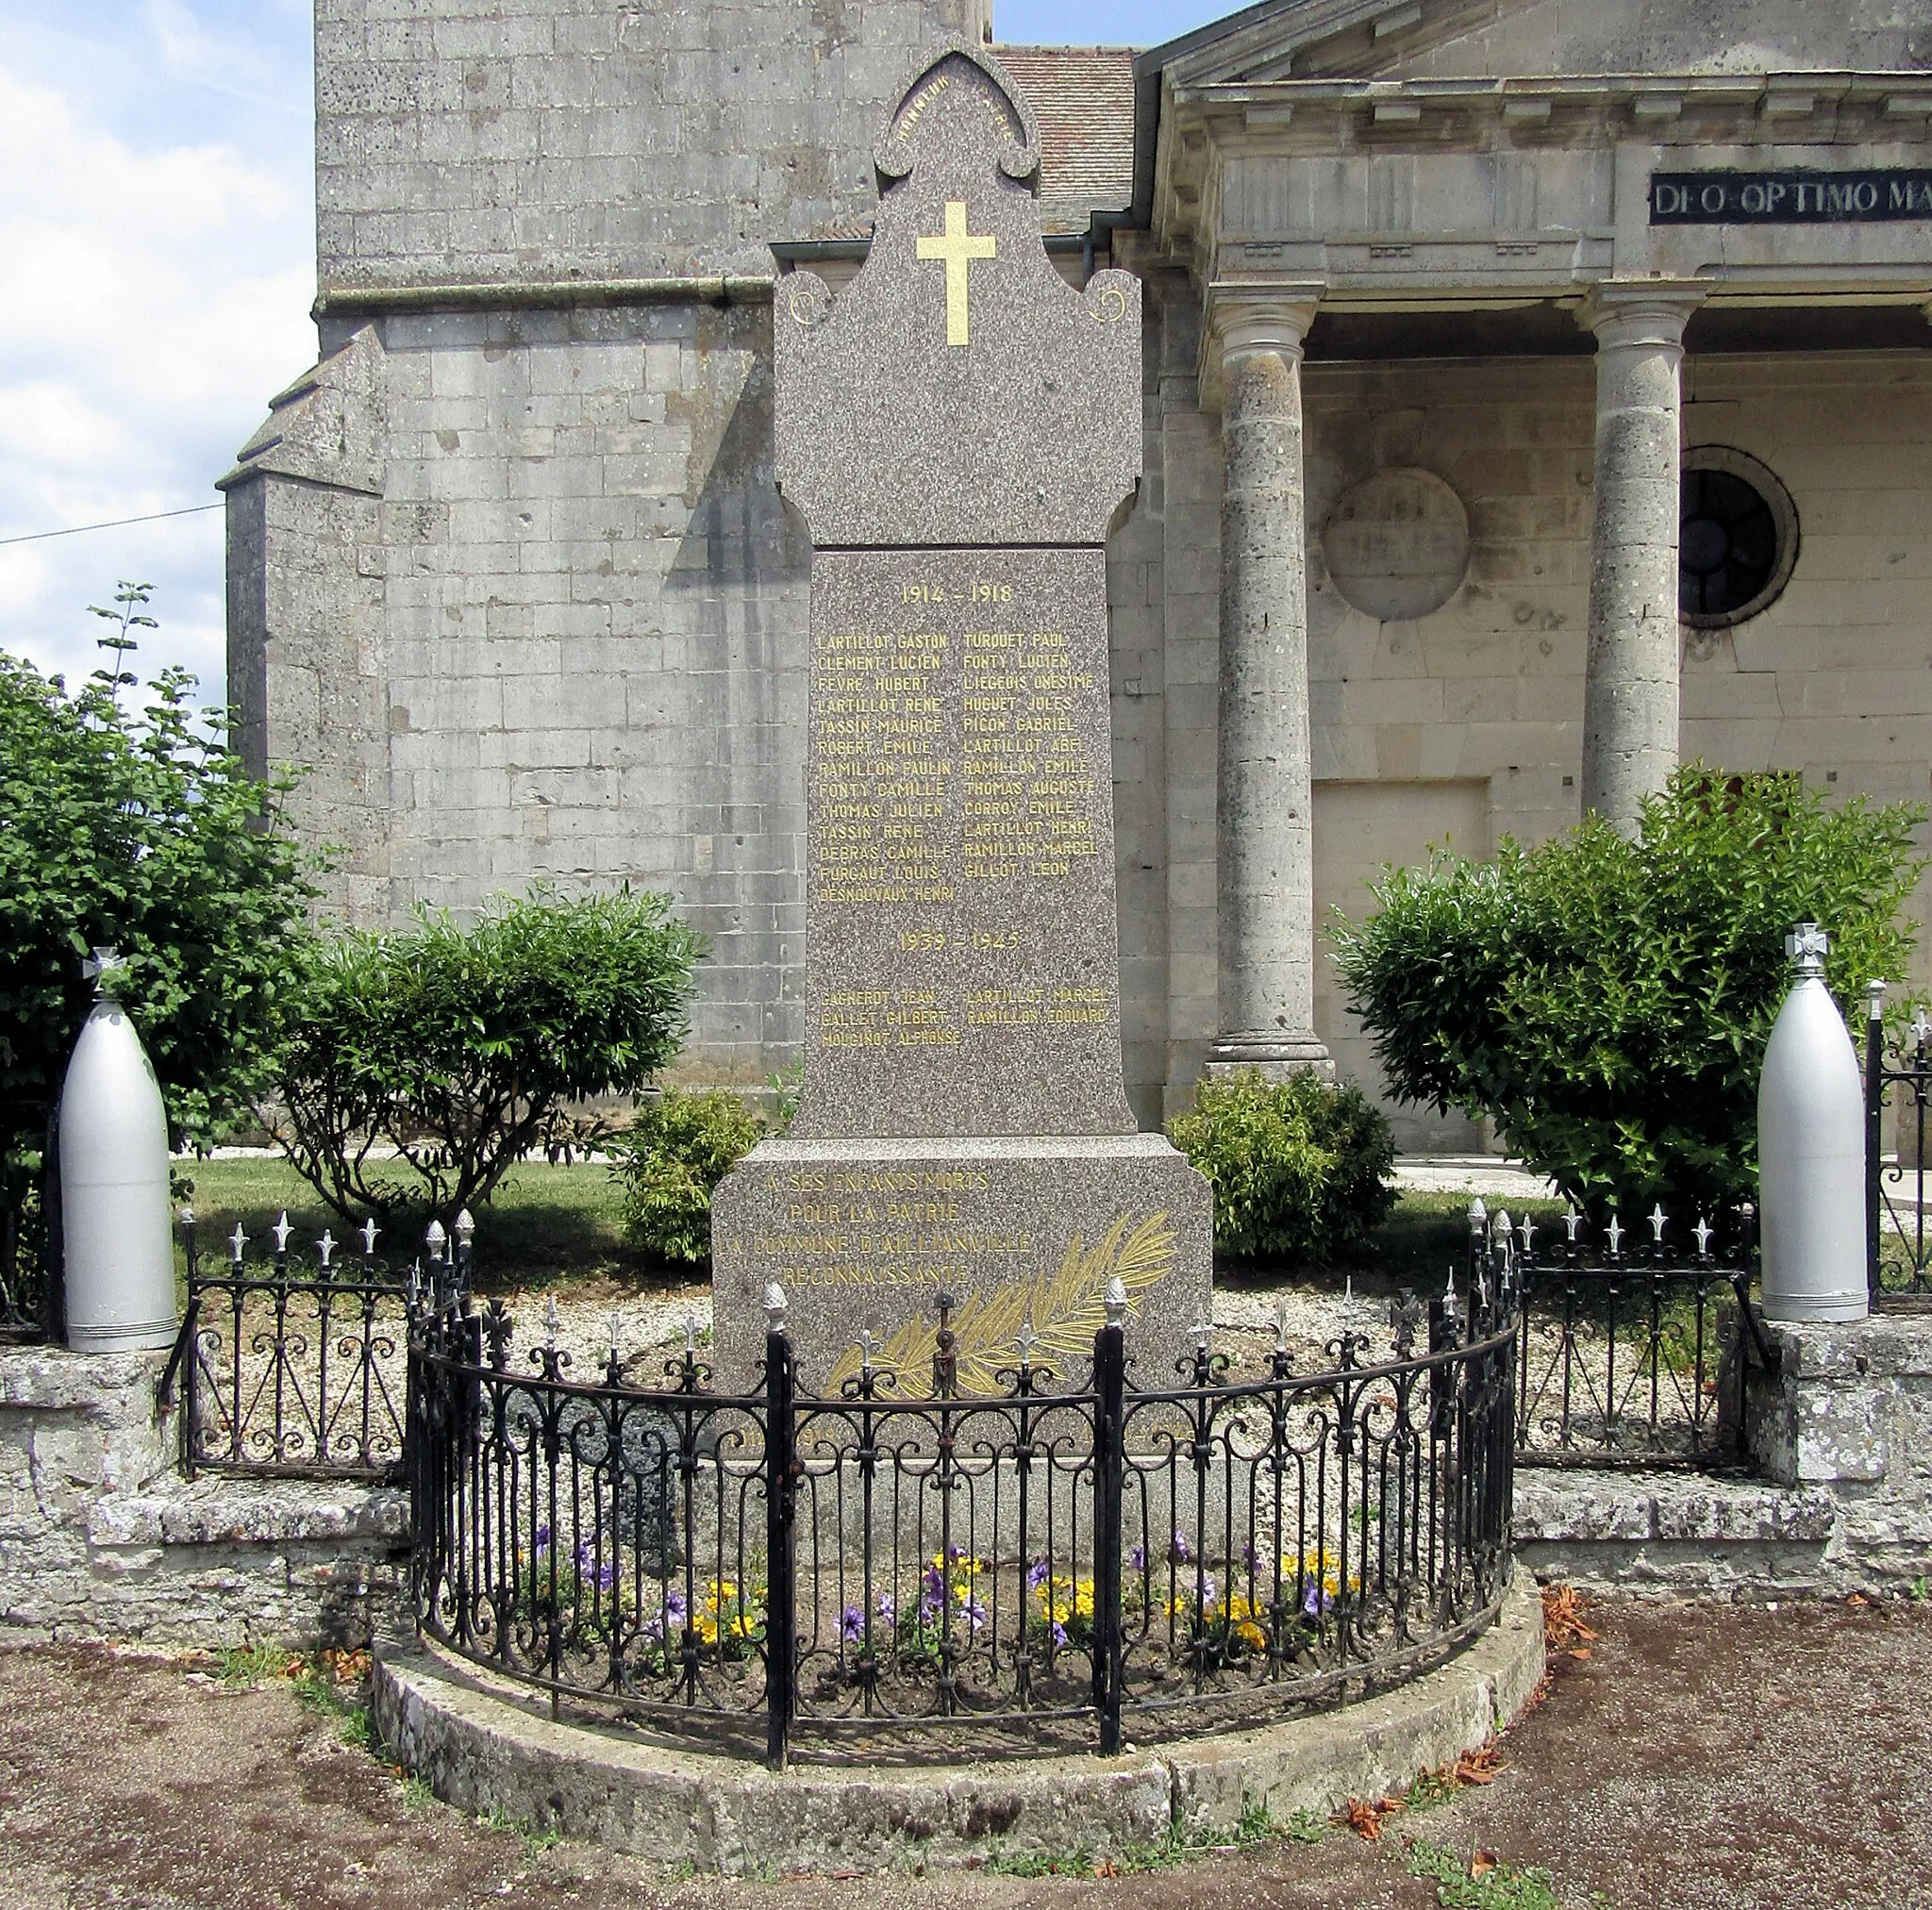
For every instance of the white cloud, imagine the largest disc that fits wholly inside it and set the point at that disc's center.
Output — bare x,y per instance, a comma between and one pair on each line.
155,272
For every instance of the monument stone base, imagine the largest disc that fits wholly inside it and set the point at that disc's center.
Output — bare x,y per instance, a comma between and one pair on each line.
866,1236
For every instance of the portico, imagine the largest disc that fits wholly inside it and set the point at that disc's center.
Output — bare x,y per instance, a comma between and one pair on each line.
1449,561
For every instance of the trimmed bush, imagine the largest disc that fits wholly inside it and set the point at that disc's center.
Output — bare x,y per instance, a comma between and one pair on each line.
1606,1001
669,1161
1299,1168
459,1047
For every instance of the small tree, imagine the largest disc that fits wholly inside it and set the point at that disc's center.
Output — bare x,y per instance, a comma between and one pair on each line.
138,830
456,1048
1606,1001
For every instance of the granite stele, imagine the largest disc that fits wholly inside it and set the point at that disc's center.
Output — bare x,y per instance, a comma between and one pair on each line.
958,428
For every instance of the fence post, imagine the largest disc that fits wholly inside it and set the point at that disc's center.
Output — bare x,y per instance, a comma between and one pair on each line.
781,1656
1110,1464
1875,1138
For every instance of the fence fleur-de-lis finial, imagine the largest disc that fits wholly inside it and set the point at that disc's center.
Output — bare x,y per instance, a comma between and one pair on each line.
281,1230
326,1247
690,1335
1614,1235
237,1241
867,1343
1701,1233
1529,1231
1658,1219
1026,1339
1281,1325
551,1320
370,1230
1571,1221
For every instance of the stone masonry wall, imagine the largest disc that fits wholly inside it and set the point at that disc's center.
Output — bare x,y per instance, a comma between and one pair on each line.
596,606
518,141
1838,1430
100,1537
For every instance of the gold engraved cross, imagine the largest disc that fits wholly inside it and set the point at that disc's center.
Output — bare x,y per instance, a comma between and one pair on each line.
958,248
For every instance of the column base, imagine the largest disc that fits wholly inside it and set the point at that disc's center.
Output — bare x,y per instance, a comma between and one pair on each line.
1274,1057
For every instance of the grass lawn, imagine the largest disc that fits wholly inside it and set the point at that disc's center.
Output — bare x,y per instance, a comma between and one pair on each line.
560,1227
544,1221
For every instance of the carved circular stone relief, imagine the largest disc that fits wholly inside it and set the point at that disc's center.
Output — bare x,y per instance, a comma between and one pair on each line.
1397,544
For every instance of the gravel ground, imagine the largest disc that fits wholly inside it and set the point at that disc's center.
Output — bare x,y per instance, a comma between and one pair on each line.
1697,1757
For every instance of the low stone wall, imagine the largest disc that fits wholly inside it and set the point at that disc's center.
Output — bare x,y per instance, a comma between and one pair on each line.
1839,1431
486,1745
101,1537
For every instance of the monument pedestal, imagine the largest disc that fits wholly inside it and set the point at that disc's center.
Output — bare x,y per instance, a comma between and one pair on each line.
865,1237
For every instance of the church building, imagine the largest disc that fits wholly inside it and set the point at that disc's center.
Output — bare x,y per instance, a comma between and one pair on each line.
1537,393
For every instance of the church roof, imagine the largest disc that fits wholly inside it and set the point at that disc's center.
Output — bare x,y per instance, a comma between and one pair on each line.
1083,97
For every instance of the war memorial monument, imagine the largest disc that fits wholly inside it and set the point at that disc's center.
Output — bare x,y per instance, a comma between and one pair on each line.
960,429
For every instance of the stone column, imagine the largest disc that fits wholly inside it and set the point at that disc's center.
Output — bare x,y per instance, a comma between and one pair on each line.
1265,846
1630,681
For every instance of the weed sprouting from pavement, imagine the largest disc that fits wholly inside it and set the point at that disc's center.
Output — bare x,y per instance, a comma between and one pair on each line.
535,1841
1482,1883
1255,1826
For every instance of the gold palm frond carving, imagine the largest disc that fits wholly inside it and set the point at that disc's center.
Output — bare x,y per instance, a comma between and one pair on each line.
1065,1307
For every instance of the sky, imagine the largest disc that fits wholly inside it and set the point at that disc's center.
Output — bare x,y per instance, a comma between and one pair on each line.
157,268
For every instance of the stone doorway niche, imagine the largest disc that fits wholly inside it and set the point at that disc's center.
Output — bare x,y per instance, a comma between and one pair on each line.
1358,827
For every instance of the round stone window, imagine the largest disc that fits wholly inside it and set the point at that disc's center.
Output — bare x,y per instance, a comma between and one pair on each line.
1737,538
1397,544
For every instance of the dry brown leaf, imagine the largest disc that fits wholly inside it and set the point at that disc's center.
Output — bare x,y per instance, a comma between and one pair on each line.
1482,1863
1364,1820
1564,1619
1480,1766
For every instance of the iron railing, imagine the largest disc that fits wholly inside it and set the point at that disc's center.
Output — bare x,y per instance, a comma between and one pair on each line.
1898,1082
285,1368
788,1573
28,1293
1632,1349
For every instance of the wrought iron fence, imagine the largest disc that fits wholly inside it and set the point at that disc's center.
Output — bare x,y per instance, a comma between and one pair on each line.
1898,1082
795,1574
287,1368
28,1291
1632,1349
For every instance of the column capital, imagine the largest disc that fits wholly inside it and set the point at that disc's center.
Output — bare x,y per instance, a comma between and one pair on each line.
1641,311
1244,318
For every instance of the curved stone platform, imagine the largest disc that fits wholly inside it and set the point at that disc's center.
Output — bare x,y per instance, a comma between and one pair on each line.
485,1744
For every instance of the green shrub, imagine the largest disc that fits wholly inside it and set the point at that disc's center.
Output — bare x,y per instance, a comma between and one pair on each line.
1299,1168
460,1046
1606,1001
669,1161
